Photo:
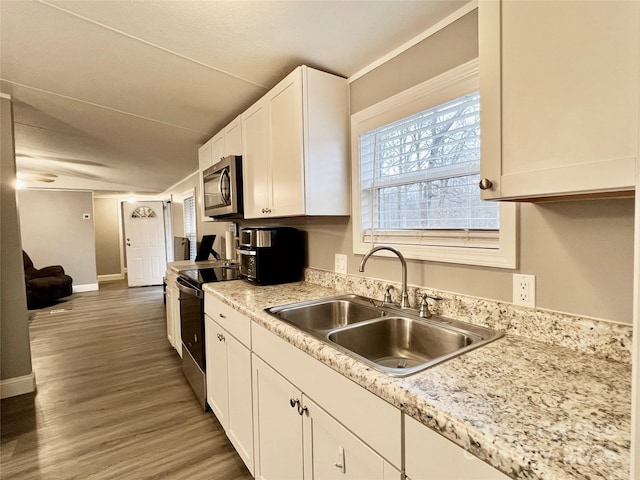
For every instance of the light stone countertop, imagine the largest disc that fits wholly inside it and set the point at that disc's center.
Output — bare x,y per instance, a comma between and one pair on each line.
532,410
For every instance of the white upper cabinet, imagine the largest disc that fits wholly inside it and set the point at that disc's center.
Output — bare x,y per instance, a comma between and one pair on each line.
255,174
233,137
559,97
227,141
295,148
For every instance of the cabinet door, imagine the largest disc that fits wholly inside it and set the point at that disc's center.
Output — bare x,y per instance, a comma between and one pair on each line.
278,426
233,138
175,306
285,121
170,318
331,451
205,158
216,361
429,455
569,96
217,147
240,430
255,161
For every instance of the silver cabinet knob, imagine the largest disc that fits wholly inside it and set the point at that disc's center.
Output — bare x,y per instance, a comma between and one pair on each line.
485,184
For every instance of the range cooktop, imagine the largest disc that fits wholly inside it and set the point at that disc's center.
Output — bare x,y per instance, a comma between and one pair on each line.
197,277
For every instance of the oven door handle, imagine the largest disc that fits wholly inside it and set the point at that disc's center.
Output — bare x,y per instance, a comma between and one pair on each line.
183,286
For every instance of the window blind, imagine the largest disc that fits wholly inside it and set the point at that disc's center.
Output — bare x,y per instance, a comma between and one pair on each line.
190,225
419,179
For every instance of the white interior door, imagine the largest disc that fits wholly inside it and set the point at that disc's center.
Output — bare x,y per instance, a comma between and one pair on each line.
145,243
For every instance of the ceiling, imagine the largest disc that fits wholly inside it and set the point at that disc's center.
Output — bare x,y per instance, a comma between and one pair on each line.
117,96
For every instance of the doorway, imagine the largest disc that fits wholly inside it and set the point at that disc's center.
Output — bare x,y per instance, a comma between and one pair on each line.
144,230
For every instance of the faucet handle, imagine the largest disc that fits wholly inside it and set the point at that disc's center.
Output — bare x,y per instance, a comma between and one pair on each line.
387,294
423,307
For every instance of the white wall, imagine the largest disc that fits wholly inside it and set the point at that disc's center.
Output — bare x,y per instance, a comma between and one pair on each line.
108,245
54,232
15,361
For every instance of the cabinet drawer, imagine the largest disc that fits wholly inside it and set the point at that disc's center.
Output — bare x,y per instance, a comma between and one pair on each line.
231,320
430,455
375,421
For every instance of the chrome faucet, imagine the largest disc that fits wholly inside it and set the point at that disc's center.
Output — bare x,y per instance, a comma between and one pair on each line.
404,298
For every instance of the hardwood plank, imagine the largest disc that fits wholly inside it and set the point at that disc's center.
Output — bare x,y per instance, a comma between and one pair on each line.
111,400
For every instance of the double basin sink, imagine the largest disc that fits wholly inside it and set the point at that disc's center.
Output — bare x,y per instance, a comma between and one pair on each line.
395,341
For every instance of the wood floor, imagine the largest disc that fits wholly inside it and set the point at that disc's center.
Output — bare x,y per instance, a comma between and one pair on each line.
112,402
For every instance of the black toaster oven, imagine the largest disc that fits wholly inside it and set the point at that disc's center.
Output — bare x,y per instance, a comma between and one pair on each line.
271,255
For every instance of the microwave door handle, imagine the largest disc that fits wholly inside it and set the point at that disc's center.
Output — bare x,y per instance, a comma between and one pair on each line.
225,198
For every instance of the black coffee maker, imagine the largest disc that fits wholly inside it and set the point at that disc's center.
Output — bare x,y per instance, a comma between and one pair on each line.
271,255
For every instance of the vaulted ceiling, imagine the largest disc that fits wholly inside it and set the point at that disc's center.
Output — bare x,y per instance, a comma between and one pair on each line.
116,96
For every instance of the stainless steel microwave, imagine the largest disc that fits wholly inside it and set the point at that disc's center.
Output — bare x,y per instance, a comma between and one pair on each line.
222,187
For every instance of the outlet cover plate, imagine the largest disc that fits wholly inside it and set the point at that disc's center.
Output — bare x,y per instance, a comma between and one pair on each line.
341,263
524,290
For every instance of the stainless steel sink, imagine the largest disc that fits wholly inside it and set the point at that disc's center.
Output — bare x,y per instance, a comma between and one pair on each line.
403,345
328,314
395,341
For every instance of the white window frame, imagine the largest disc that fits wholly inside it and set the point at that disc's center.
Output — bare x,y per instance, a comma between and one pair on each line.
186,195
454,83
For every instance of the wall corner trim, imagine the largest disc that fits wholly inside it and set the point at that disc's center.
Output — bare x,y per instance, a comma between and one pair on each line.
89,287
12,387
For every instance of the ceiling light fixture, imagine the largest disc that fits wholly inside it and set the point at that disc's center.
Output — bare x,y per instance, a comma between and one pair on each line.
37,177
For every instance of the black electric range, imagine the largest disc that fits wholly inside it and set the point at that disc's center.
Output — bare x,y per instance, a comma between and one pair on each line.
191,297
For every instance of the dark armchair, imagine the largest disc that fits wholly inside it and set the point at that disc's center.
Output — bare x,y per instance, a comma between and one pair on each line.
45,285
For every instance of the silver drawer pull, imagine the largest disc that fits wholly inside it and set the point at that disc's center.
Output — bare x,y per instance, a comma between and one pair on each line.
340,463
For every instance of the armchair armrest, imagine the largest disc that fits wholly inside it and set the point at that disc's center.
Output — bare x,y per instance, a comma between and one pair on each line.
52,271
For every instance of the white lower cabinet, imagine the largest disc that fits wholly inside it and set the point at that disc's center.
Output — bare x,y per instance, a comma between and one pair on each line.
430,456
228,363
217,374
278,425
172,306
290,416
297,439
308,417
332,451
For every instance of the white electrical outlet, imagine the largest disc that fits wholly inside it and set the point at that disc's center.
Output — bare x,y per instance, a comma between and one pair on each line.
524,290
341,263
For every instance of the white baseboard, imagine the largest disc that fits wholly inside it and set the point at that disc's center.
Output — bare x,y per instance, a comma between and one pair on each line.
110,277
89,287
12,387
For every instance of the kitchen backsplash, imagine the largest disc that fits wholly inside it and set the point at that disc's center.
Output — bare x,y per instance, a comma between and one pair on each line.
587,335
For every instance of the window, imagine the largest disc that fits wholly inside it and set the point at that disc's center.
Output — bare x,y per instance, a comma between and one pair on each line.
415,176
189,205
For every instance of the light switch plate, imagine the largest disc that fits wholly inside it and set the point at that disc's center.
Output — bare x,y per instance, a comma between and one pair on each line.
341,263
524,290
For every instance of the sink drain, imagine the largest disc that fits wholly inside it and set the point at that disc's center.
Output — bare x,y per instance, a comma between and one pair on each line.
397,362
